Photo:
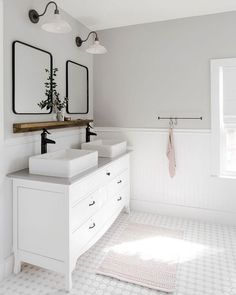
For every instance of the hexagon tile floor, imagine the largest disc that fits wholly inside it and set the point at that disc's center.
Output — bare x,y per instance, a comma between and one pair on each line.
207,268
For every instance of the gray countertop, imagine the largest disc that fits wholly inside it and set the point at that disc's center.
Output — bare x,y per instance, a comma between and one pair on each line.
24,174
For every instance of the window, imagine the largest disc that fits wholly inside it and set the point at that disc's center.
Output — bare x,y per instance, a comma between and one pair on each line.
223,111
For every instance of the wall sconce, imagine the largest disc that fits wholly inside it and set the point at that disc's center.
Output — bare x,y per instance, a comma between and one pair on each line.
95,48
56,23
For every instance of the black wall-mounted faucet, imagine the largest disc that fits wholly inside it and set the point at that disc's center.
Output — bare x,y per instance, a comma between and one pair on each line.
45,141
89,133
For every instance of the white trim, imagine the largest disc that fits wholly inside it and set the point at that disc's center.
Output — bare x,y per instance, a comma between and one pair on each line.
1,73
217,119
2,261
6,268
215,216
128,129
230,121
216,116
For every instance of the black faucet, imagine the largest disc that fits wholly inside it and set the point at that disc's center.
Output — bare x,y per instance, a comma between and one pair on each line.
89,133
45,141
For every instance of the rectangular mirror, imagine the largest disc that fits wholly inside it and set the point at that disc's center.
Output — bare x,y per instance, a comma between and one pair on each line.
29,76
77,88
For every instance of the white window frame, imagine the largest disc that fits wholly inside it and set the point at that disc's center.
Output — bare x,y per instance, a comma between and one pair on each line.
217,122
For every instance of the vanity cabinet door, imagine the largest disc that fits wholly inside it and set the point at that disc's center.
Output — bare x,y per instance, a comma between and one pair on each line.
41,226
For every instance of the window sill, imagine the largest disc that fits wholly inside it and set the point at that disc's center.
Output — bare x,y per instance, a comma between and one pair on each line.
226,176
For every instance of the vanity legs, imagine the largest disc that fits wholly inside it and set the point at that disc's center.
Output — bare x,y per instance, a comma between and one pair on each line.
17,265
127,206
68,278
17,262
127,209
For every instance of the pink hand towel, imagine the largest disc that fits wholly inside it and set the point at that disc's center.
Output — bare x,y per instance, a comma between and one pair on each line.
171,153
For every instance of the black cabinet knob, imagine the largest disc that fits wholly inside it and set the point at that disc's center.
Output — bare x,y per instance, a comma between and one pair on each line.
91,204
119,199
92,226
108,173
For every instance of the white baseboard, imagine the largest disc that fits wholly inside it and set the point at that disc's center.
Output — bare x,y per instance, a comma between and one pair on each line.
201,214
6,267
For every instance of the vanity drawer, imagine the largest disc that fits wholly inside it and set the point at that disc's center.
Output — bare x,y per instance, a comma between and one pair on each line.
84,234
87,207
117,167
118,183
90,184
90,229
119,199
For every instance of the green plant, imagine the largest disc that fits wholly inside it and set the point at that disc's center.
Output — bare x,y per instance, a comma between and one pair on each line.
52,95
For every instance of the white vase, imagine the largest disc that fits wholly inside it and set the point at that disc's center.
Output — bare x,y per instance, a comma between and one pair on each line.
60,115
54,114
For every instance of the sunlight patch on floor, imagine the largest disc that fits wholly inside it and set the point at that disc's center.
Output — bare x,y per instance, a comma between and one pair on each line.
163,249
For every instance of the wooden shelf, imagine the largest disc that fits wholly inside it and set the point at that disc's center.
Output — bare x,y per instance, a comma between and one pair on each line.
37,126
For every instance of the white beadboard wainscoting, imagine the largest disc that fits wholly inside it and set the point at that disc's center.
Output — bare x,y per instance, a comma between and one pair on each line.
193,192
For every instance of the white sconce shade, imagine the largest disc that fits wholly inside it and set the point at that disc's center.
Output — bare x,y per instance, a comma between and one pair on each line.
57,25
96,48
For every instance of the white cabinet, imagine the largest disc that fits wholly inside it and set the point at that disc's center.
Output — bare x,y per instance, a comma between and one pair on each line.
57,220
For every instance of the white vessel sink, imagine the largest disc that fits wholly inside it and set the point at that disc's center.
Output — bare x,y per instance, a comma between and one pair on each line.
106,148
64,163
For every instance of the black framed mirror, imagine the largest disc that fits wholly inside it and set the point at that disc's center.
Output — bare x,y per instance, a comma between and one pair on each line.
28,77
77,88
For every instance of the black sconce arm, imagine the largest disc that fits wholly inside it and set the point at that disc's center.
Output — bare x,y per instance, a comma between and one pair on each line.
92,32
34,15
46,8
79,41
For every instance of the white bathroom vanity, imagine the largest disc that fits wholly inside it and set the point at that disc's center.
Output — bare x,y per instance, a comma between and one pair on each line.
57,219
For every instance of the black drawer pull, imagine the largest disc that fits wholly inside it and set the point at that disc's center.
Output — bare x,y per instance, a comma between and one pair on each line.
91,204
120,198
92,226
120,181
108,173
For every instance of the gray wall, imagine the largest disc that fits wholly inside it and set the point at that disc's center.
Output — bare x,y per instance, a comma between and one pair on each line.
17,26
160,69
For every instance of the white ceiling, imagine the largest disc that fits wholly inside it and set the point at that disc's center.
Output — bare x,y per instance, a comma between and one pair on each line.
104,14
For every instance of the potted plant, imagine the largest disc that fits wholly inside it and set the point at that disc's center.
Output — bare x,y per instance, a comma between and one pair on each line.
53,97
